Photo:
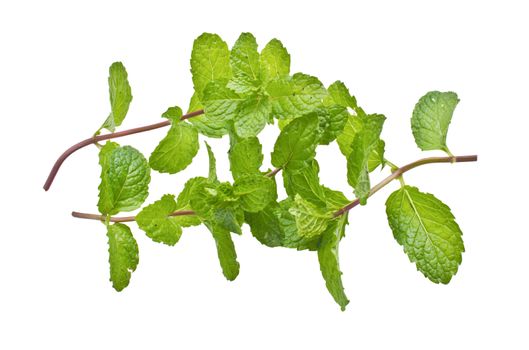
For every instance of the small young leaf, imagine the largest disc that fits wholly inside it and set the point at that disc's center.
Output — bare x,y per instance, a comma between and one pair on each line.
212,177
244,57
157,222
225,251
329,262
183,202
120,96
427,230
294,96
339,94
352,126
125,177
123,255
256,191
177,149
246,157
210,61
275,60
431,118
311,221
364,143
296,145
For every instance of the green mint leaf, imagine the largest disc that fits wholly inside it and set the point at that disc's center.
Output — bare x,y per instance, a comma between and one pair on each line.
311,220
210,127
216,202
252,116
246,157
241,84
244,57
294,96
427,230
120,96
173,114
221,104
125,177
329,262
183,202
352,126
335,199
157,222
123,255
256,191
376,157
431,118
293,236
339,94
332,123
225,251
274,226
296,145
275,60
210,61
305,182
177,149
364,143
212,177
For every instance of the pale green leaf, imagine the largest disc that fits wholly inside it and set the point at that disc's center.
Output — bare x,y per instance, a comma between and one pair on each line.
364,143
210,127
427,230
120,96
123,255
125,177
339,94
244,57
275,60
311,220
305,182
176,150
183,202
294,96
212,176
431,119
157,222
329,261
210,61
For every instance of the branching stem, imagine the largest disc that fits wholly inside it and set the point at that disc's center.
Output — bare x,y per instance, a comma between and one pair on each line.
394,175
97,138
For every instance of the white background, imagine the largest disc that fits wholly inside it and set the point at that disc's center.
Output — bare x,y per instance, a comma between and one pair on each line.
54,288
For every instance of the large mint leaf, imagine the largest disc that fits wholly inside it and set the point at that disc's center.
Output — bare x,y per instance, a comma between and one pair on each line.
296,145
125,177
123,255
225,251
244,57
178,148
329,261
210,61
246,157
431,118
157,222
211,127
255,191
275,60
427,230
363,145
294,96
120,96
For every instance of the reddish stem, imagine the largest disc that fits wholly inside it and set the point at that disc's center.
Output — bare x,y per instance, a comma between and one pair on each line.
114,135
